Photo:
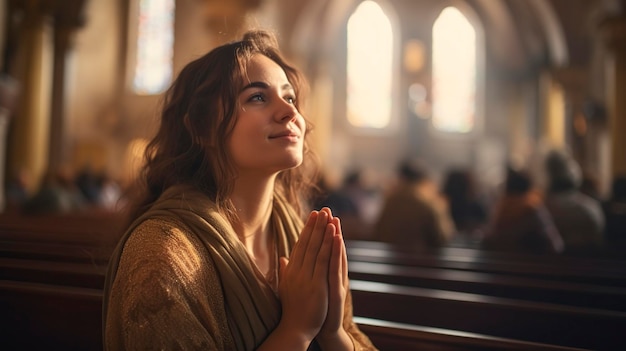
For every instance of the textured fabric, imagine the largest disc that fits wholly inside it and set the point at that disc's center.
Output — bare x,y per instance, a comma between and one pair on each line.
181,279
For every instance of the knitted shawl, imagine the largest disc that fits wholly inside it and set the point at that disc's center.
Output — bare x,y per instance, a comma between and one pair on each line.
252,307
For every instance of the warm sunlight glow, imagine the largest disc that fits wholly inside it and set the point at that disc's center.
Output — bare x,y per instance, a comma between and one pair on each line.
454,72
155,46
370,44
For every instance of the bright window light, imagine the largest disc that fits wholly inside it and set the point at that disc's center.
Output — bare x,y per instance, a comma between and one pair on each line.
155,46
454,72
369,67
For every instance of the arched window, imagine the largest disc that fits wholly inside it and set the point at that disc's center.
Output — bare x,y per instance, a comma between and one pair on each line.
369,67
454,72
155,46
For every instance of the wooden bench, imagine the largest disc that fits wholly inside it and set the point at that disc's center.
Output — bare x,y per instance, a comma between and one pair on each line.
44,275
39,316
89,228
60,252
82,237
573,269
494,316
51,272
44,316
393,336
493,284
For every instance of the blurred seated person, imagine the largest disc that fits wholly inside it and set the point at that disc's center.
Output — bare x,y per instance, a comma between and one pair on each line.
110,194
590,186
343,205
615,213
89,183
520,222
337,198
57,194
17,191
468,212
414,213
578,217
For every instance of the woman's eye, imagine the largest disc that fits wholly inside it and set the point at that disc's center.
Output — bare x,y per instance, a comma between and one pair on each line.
290,99
257,97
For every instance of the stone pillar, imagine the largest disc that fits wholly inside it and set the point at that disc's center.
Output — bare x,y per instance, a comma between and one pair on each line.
32,68
574,81
552,129
613,31
4,125
67,19
8,95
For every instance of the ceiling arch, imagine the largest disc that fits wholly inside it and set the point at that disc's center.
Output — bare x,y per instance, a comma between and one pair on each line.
517,33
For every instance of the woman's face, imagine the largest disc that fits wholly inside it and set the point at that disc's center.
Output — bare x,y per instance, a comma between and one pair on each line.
269,131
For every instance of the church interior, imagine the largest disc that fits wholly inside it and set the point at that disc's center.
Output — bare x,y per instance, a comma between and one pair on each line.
504,96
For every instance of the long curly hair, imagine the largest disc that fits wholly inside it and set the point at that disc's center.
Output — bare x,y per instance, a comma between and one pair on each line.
198,117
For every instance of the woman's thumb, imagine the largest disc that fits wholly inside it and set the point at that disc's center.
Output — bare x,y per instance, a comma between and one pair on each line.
284,261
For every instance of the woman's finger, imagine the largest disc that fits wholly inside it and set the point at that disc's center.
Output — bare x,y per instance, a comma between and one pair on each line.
299,249
315,243
344,254
323,258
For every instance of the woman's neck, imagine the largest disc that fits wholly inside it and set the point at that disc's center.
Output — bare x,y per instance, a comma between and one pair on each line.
253,201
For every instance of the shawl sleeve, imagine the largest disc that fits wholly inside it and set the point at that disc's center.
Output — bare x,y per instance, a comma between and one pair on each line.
159,296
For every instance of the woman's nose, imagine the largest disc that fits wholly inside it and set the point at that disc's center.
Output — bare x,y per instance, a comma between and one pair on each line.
287,111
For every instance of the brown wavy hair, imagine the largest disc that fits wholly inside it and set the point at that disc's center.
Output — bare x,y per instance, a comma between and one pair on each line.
198,117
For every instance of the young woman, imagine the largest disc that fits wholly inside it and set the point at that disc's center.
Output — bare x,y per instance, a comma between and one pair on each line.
204,264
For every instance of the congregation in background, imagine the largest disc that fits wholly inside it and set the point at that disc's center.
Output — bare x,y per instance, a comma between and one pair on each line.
565,214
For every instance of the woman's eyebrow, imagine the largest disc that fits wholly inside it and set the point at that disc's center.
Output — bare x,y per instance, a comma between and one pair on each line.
264,85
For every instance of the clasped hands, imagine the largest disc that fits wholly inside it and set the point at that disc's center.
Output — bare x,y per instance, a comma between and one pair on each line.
314,283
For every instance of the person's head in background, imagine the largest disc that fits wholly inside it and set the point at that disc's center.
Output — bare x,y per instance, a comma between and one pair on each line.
563,172
459,185
518,182
411,172
219,106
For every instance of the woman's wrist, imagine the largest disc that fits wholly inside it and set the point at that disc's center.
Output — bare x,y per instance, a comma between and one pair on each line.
285,337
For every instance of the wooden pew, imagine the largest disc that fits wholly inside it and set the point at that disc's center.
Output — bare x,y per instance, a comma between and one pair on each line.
43,316
553,267
81,265
82,228
494,316
393,336
50,317
79,237
51,272
493,284
60,252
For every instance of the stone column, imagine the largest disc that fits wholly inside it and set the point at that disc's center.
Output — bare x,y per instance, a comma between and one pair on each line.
574,81
32,69
8,95
67,19
613,31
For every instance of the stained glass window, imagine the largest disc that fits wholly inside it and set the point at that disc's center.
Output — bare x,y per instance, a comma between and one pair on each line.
454,72
155,41
369,67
